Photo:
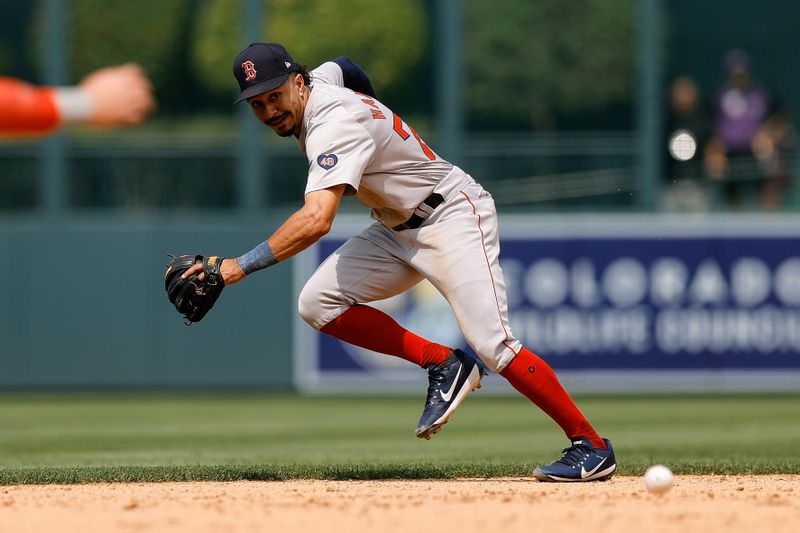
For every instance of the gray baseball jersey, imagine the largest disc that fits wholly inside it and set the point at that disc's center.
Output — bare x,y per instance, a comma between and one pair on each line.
355,140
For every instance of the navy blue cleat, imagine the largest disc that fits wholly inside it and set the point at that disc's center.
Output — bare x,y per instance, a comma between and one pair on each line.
580,462
449,383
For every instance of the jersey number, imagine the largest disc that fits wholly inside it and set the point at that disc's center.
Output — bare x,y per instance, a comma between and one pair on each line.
398,128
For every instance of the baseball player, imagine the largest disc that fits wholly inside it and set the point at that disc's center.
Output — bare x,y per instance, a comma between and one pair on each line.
111,96
432,221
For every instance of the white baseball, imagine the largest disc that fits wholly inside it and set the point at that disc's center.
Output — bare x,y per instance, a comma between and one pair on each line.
658,479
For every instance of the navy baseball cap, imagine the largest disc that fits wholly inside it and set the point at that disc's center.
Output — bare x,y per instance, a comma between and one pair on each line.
260,68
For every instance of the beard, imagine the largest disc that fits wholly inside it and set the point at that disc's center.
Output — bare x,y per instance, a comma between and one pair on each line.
281,133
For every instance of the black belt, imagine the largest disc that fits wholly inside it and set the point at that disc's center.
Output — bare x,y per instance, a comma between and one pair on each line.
422,212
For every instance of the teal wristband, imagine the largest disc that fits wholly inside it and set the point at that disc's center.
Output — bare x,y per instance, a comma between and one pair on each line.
258,258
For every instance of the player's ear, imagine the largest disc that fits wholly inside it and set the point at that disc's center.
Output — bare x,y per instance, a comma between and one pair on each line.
299,82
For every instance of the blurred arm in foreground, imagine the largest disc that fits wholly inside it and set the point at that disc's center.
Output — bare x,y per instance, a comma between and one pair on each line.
111,96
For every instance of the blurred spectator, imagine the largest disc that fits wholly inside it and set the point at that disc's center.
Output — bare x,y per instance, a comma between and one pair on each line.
774,146
111,96
688,130
742,107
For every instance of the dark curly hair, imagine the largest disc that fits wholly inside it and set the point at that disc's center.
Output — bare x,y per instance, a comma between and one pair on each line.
303,71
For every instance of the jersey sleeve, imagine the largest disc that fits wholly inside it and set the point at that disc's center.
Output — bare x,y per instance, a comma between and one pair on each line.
26,109
355,78
329,73
343,72
339,149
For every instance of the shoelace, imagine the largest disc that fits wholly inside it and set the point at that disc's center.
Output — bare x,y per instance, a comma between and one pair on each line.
574,454
436,376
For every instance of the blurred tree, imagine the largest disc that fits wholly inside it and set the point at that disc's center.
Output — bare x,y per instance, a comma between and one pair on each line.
151,33
385,38
529,63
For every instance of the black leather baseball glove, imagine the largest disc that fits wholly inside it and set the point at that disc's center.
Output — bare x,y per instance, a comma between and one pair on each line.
192,297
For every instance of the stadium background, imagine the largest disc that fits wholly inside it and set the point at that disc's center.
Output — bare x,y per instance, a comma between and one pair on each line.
559,110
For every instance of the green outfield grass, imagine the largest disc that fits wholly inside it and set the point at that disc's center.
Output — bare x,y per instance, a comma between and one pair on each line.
48,438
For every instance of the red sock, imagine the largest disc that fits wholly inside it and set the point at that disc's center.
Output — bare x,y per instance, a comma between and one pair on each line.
534,378
374,330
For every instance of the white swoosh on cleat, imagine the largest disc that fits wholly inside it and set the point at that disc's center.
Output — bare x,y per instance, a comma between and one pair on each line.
585,474
449,394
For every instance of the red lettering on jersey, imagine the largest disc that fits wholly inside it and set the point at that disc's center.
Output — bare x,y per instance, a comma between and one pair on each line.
249,70
398,128
376,111
428,152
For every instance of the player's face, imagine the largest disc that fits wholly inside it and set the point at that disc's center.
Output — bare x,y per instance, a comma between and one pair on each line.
281,109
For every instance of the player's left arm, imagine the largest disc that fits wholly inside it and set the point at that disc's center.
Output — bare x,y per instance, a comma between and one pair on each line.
303,228
308,224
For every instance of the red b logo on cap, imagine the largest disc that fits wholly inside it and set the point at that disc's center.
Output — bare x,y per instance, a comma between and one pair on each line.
249,70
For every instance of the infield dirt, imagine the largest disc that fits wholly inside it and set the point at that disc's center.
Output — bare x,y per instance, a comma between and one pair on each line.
705,504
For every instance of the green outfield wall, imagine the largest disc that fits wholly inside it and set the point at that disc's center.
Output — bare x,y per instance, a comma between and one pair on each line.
85,307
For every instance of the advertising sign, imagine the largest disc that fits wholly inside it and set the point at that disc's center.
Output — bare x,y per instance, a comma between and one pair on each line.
614,305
